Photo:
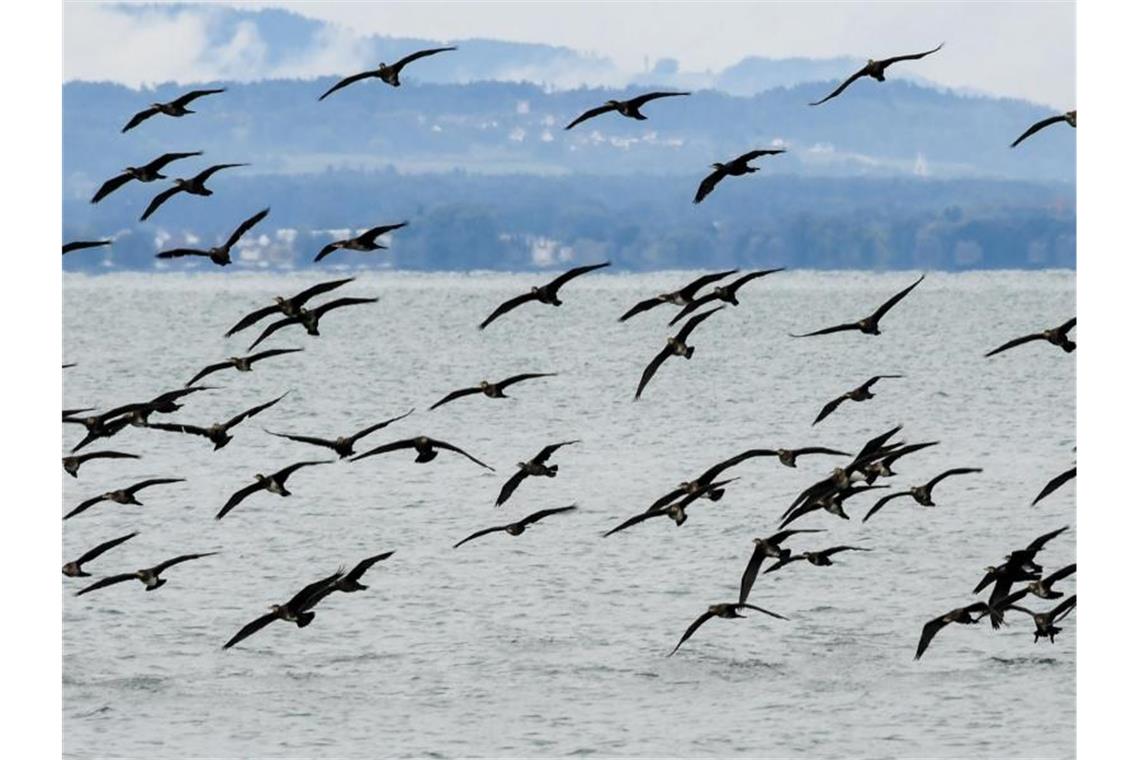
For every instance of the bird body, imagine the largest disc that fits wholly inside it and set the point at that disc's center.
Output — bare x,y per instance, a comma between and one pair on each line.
219,254
631,109
1069,117
728,610
674,346
196,185
366,241
74,569
1057,336
737,167
389,74
176,107
146,173
426,449
867,325
875,69
547,294
150,577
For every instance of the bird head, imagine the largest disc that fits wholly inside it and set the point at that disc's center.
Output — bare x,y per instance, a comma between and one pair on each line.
716,166
180,182
279,300
613,103
484,385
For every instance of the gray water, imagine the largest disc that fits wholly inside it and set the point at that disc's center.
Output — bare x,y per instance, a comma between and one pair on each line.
555,642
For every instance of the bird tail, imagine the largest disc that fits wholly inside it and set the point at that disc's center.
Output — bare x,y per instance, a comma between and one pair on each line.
553,471
304,618
688,352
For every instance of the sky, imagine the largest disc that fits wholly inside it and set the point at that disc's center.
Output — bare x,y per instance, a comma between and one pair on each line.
1019,49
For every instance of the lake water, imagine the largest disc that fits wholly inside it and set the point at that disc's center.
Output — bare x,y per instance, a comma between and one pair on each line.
555,642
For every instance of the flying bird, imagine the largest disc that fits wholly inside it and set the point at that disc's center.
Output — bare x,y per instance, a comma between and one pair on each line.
832,503
723,610
296,610
682,297
72,464
1058,336
629,108
766,548
274,483
963,615
1069,117
819,559
489,389
220,255
196,185
219,432
74,569
79,245
426,450
1055,483
547,293
876,70
342,445
1044,622
165,403
121,495
176,107
535,467
517,528
674,346
363,242
862,393
1042,587
388,74
674,511
868,325
921,493
350,582
881,468
1019,566
290,307
145,173
726,293
149,576
737,167
240,363
310,320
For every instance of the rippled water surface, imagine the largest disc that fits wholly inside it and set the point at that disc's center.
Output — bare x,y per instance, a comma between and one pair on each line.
555,642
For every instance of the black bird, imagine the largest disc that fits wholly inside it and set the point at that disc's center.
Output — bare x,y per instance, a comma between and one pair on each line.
723,610
674,511
220,255
1042,587
1027,555
426,450
843,477
1055,483
166,403
682,297
196,185
121,495
629,108
881,468
489,389
517,528
176,107
290,307
104,427
1045,621
674,346
350,582
535,467
831,502
145,173
819,559
718,293
766,548
274,483
921,493
364,242
296,610
75,569
876,70
79,245
737,167
1019,566
71,465
1058,336
868,325
219,432
862,393
310,320
547,293
1070,117
388,74
149,576
241,363
342,445
963,615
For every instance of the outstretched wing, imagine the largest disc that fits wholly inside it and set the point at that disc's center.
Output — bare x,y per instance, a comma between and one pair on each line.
684,332
479,533
819,450
531,519
1059,612
956,471
753,154
1064,572
457,450
347,81
547,451
510,486
238,418
651,370
175,253
506,306
641,306
251,628
1016,342
110,580
708,184
861,72
93,553
929,631
760,609
333,246
591,114
79,245
205,174
911,57
1039,543
829,330
178,427
633,521
525,376
565,277
454,395
882,502
365,564
882,310
398,65
385,448
321,287
158,200
692,306
693,629
245,227
782,562
238,497
178,560
272,328
1037,128
830,407
253,318
283,474
111,186
207,370
304,439
338,303
750,572
378,426
166,158
641,100
1055,483
690,291
371,235
139,118
184,100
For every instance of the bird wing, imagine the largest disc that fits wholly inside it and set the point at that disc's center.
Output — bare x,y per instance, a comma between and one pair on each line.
385,448
782,562
641,100
371,235
305,439
333,246
830,407
861,72
881,502
929,631
740,282
1064,572
691,325
837,549
457,450
178,427
93,553
84,506
818,450
1059,612
378,426
745,158
633,521
882,310
911,57
510,486
454,395
829,330
107,455
160,199
245,227
750,572
272,328
238,418
347,81
651,370
238,497
565,277
1039,543
253,318
526,376
895,455
175,253
531,519
139,118
692,306
204,175
111,186
158,163
665,500
693,629
547,451
641,306
363,565
719,467
759,609
1016,342
272,352
779,538
110,580
506,306
321,287
152,482
690,291
184,100
1069,325
251,628
1037,128
591,114
398,65
283,474
479,533
178,560
986,580
708,184
867,385
79,245
956,471
308,597
338,303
